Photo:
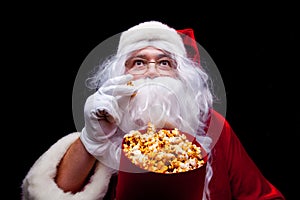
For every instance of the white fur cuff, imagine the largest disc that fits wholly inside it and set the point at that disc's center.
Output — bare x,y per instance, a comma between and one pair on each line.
39,182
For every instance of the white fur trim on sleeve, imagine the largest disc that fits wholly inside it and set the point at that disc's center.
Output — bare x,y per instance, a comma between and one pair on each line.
39,182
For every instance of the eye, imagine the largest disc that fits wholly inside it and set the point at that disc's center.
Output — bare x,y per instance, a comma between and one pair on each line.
165,64
138,63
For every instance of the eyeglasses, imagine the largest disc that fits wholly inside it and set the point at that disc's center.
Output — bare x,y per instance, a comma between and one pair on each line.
139,66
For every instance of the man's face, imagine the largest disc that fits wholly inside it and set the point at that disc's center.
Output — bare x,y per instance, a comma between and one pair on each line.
150,62
160,97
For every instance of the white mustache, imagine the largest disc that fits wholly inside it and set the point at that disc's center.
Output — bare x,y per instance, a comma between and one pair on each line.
158,101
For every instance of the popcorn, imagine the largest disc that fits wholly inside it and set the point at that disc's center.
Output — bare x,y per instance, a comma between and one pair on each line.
130,83
162,151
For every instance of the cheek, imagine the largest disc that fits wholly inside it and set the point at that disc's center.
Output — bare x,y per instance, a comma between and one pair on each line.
172,74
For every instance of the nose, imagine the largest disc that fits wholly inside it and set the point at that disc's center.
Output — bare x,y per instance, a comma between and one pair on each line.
152,71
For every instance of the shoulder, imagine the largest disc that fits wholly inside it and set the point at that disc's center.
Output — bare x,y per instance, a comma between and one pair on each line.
217,123
219,129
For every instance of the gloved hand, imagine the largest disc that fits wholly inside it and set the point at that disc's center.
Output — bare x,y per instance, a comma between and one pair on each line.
103,112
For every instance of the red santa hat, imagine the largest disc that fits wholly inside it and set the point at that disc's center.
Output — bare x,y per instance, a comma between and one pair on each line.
153,31
190,43
181,42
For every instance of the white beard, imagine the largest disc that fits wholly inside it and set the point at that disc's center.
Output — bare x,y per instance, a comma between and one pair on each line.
165,102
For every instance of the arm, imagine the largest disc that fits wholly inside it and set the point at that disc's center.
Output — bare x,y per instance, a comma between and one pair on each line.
247,181
40,183
69,169
235,175
75,168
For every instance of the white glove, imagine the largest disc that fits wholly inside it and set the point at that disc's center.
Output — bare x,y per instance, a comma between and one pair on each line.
103,112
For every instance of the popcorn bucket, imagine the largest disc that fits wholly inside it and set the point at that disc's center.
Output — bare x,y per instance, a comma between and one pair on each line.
135,183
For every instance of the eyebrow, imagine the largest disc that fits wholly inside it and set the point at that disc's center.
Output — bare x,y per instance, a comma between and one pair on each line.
143,56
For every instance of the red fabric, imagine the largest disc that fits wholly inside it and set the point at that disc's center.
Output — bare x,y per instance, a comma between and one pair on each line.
190,44
235,176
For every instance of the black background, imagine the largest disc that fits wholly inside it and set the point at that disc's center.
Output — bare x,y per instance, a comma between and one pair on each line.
254,47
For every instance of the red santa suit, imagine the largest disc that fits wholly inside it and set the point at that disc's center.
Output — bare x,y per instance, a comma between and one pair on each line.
235,176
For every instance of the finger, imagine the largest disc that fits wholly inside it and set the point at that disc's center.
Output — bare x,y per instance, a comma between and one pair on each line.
119,80
124,90
108,111
119,90
104,115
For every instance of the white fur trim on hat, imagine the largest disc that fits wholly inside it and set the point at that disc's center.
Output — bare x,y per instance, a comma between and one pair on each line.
152,31
39,183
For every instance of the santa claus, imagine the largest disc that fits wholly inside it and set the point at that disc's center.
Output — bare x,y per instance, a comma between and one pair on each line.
155,76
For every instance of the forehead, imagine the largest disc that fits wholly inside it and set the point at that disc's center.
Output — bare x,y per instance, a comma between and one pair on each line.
149,51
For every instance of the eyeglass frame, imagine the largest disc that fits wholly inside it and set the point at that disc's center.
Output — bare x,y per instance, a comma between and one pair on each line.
146,63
